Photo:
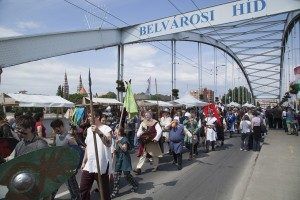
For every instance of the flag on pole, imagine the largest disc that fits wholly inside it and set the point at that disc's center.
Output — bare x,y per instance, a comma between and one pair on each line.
129,102
148,91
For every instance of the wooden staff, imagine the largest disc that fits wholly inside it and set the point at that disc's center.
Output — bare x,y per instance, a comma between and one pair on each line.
100,186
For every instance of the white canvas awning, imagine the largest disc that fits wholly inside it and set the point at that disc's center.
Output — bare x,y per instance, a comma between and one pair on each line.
190,101
248,105
234,104
103,101
160,103
29,100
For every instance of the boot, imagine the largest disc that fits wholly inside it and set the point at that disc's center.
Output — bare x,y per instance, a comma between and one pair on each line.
137,171
207,145
132,182
213,145
179,156
116,186
196,149
174,157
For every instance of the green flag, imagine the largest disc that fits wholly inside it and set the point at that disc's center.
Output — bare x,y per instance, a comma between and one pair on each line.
129,102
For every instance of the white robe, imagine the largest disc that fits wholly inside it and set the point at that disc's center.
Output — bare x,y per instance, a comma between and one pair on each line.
104,152
211,134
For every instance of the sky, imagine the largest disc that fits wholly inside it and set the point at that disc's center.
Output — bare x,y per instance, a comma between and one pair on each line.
28,17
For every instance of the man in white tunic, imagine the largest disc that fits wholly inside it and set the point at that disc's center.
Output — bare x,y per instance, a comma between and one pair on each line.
210,130
165,122
149,133
89,165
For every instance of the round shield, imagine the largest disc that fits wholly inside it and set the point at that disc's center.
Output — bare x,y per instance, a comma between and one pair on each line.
37,174
7,145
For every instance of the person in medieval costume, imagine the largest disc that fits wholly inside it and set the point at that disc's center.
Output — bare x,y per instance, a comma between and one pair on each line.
210,130
165,122
177,135
123,162
231,118
149,134
63,138
191,125
30,141
89,164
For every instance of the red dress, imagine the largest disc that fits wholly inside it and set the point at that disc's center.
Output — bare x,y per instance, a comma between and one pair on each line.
37,124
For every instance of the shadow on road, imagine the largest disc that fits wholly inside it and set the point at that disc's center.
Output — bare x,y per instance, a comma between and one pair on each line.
143,187
146,198
171,183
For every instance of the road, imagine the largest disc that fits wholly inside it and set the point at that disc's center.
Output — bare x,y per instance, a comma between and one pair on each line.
211,176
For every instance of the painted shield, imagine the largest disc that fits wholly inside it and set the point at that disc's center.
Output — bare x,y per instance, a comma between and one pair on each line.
39,173
7,145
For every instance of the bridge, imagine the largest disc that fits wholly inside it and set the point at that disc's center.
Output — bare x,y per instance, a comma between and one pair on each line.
256,34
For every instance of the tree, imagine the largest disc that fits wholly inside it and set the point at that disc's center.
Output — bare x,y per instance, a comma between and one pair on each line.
201,96
59,91
175,93
76,98
120,86
111,95
257,104
223,99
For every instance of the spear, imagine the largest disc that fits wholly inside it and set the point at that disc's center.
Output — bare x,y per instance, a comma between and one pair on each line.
100,183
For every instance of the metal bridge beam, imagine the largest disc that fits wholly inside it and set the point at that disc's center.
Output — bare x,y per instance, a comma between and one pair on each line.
18,50
291,19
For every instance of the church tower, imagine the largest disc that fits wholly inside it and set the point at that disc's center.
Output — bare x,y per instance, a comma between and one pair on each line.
65,88
80,84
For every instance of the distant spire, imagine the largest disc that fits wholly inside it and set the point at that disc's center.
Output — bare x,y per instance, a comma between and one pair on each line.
80,84
65,87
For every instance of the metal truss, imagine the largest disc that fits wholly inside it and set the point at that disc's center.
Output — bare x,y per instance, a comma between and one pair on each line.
257,43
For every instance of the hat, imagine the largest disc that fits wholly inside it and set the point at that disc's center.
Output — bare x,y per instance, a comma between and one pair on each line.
166,110
108,109
176,118
187,114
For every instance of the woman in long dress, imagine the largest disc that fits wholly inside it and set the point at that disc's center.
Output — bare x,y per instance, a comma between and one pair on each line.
210,130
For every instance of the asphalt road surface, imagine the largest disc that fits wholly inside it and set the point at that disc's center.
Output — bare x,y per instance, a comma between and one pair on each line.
210,176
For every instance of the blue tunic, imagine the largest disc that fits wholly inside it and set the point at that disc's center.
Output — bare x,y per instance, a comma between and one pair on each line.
176,139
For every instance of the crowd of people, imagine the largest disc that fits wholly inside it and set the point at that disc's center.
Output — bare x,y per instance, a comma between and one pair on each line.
150,135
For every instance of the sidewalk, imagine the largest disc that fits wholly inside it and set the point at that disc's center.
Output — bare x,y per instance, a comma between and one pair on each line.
276,174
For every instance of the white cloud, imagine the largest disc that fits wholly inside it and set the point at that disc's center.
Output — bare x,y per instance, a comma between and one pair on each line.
43,77
139,52
6,32
28,25
141,61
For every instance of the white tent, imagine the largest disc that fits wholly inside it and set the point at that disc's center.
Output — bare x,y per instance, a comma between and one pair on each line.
28,100
103,101
233,104
248,105
190,101
160,103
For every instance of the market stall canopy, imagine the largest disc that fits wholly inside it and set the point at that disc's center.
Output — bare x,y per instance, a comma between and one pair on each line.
160,103
248,105
190,101
30,100
234,104
102,101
